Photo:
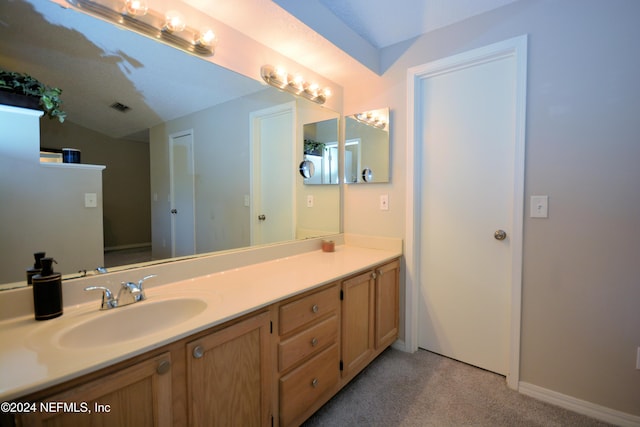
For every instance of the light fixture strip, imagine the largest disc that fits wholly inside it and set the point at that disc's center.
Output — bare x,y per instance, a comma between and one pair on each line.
369,120
151,24
296,85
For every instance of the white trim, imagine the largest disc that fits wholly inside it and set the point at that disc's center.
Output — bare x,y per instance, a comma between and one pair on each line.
72,166
584,407
517,48
4,108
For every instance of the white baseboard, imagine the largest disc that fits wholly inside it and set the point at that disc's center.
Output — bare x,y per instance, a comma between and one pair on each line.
580,406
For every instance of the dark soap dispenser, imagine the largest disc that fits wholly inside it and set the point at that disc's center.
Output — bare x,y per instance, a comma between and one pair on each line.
47,292
37,266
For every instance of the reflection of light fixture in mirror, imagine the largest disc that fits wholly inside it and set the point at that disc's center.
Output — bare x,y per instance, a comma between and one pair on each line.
135,15
278,77
371,119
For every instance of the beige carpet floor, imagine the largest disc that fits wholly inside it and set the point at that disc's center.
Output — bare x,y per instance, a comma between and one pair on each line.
426,389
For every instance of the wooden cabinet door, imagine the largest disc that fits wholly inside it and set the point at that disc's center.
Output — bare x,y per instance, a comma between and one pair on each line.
137,396
229,375
357,322
387,303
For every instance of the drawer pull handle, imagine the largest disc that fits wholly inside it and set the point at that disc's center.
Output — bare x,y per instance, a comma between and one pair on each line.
198,352
314,383
314,342
163,367
315,308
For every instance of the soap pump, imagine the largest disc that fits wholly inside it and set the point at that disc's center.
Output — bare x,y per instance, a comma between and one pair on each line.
37,266
47,292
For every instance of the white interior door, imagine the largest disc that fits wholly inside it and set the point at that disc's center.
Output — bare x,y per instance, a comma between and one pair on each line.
273,183
182,187
467,182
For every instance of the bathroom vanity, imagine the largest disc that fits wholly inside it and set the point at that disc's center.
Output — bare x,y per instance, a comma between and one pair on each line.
275,341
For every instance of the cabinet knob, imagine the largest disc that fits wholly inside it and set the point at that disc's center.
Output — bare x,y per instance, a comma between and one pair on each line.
314,383
314,342
163,367
373,275
315,308
380,272
198,352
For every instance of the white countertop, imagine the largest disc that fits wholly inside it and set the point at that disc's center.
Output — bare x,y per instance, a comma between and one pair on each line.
31,358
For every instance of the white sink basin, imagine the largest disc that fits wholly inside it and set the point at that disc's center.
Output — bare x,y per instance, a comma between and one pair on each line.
130,322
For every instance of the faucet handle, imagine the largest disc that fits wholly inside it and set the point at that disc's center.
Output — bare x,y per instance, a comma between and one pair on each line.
107,297
141,281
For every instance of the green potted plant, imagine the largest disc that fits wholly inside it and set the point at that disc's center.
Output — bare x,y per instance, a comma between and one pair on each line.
22,90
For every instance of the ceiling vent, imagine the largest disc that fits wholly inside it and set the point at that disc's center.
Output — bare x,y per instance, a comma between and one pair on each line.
120,107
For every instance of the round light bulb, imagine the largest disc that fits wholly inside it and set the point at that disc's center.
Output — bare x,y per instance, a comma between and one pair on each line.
136,7
174,22
313,89
326,92
297,82
206,38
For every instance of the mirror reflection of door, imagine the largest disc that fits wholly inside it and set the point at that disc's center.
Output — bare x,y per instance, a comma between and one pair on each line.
181,173
273,189
352,160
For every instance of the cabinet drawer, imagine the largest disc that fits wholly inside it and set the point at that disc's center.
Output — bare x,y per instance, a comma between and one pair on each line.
307,342
307,309
306,384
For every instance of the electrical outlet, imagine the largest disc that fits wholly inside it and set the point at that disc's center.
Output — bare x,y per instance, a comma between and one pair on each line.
384,202
309,201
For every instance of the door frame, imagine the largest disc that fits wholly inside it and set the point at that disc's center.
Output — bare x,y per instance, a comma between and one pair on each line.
172,195
515,48
255,166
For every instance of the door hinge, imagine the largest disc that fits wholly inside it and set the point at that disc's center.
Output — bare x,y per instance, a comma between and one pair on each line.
341,295
341,366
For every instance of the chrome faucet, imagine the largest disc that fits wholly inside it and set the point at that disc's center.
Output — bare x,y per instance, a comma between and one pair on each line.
129,293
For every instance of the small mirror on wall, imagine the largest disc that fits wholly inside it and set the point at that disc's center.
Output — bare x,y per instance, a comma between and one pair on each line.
320,163
366,148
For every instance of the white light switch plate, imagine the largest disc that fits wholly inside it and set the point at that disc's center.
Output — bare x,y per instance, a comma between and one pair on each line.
539,207
309,201
384,202
90,200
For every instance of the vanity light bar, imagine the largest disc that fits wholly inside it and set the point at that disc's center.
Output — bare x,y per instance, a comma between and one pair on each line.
295,84
371,120
170,28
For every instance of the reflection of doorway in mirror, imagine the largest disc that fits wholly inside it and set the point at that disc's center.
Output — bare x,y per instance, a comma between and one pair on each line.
330,160
326,166
273,189
352,159
182,188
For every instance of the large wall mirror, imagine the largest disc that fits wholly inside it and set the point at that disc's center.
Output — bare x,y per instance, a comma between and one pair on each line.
180,107
367,147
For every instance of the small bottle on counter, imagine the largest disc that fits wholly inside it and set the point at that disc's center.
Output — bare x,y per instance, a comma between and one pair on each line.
37,266
47,291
